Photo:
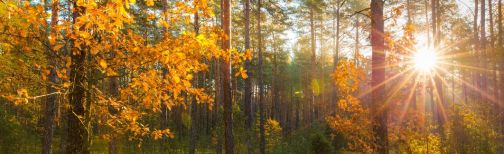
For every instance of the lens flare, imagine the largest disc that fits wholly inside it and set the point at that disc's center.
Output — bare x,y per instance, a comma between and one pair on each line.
425,60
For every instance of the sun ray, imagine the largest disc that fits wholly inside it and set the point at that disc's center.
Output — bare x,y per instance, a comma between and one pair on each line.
438,102
411,93
398,87
473,87
465,66
364,93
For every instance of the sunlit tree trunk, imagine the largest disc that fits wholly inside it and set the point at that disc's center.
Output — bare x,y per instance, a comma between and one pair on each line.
336,39
379,110
483,52
313,62
357,41
248,81
492,57
438,78
226,87
500,47
501,69
475,74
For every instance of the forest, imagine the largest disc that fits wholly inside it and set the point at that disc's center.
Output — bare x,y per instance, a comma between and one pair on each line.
251,76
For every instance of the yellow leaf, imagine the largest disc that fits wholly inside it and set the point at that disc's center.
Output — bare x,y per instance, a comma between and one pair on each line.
22,92
66,84
149,2
58,47
248,54
242,72
103,63
176,79
84,34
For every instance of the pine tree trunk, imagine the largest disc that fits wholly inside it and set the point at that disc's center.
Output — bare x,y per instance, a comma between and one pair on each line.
483,51
501,65
262,142
194,103
51,100
313,64
379,111
248,81
475,74
438,79
226,83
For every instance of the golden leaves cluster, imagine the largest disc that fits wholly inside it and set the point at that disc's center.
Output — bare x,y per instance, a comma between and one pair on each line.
352,119
152,73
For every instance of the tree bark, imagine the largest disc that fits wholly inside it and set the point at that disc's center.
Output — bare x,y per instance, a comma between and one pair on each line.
114,92
313,62
475,74
51,100
483,51
226,87
493,56
501,65
379,111
336,39
194,103
262,142
438,78
78,135
248,81
500,47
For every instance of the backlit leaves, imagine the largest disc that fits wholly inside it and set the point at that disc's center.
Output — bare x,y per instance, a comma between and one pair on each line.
352,119
154,72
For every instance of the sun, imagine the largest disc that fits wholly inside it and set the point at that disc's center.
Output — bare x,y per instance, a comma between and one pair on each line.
425,60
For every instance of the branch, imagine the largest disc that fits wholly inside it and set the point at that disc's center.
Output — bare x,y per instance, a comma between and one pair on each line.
360,12
54,93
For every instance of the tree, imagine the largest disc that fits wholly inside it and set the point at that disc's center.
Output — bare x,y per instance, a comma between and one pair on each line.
50,104
248,81
378,109
262,139
336,39
78,132
226,84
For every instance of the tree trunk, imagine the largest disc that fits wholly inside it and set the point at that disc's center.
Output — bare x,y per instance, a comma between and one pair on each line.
262,142
51,100
114,92
275,104
226,87
483,51
78,135
492,59
438,78
357,42
500,47
313,63
379,111
194,103
501,65
248,81
475,74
